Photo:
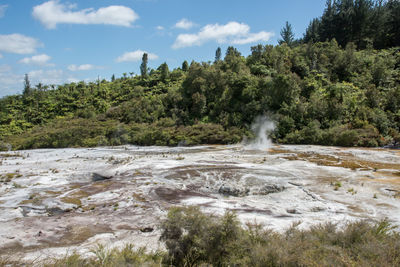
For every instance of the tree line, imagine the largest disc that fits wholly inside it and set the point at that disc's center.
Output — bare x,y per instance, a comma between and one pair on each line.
363,22
319,93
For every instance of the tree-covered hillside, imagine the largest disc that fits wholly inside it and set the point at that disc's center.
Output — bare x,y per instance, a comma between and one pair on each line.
338,85
318,93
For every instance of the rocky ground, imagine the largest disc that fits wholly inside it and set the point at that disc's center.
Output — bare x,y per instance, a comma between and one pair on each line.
56,201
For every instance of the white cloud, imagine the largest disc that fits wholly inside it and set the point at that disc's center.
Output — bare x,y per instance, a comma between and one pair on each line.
135,56
74,67
184,24
3,10
1,56
254,37
160,28
53,12
41,60
35,73
46,77
232,32
18,44
5,68
72,80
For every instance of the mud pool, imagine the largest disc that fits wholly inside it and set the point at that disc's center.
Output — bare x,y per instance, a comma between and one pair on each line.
56,201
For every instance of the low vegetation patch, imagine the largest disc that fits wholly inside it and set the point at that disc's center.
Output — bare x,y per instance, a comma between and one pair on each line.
72,200
193,238
127,256
91,133
11,155
196,239
7,177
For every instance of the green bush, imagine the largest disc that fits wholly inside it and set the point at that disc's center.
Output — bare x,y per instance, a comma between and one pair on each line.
193,238
66,133
127,256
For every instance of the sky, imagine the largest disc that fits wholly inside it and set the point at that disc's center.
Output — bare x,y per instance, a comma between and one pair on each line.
59,41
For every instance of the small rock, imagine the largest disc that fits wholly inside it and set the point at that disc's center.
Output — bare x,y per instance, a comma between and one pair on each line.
230,191
292,211
226,190
100,176
391,190
55,211
317,209
269,189
146,229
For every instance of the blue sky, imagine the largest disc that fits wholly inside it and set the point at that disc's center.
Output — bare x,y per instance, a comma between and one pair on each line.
62,41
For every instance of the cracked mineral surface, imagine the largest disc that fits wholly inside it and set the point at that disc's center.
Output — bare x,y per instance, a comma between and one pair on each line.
56,201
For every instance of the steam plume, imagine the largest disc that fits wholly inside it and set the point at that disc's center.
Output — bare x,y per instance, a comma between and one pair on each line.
261,127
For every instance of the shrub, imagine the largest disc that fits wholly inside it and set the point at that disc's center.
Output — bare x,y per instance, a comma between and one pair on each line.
195,239
192,238
127,256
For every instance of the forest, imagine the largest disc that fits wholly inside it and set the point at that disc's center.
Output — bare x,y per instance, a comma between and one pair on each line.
338,85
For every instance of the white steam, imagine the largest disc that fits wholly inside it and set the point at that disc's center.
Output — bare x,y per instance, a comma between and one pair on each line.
261,127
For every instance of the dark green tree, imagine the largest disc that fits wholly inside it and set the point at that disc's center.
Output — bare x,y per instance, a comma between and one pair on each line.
327,27
233,59
312,31
362,22
231,51
143,66
164,71
185,66
287,35
113,78
218,54
393,22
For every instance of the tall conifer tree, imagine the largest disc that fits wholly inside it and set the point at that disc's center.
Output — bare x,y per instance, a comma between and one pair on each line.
143,66
287,35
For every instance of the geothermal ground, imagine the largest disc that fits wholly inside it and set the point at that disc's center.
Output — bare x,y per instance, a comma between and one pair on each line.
56,201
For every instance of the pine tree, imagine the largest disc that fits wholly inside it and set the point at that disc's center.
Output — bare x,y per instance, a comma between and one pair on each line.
327,27
312,31
287,35
143,66
218,54
185,66
393,22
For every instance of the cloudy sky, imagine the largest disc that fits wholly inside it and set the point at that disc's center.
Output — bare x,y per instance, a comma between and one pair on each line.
62,41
